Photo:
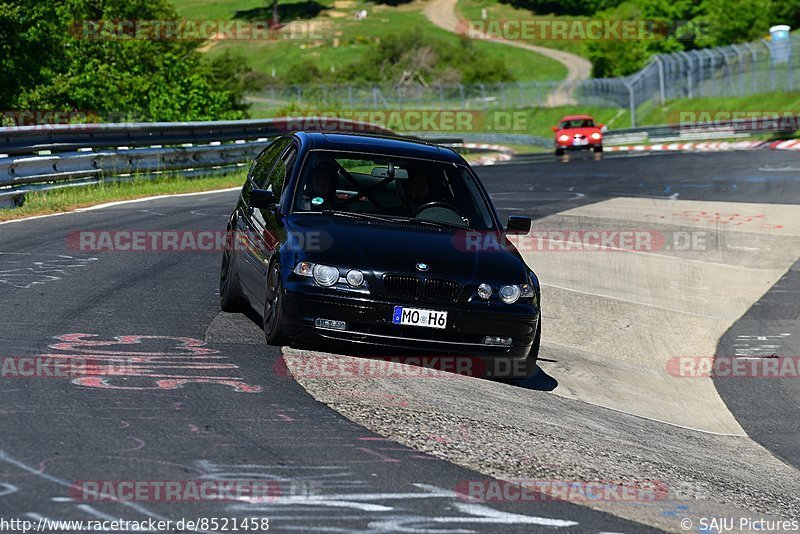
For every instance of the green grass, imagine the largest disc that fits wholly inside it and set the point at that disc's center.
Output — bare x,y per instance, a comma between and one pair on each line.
71,198
767,102
349,38
471,10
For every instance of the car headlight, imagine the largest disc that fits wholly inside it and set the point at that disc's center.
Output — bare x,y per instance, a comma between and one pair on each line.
563,137
355,277
325,275
509,294
484,291
596,135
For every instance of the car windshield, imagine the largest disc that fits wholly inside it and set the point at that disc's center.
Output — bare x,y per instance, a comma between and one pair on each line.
577,123
393,188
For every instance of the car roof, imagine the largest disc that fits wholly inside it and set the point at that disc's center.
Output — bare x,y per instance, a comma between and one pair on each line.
379,144
576,118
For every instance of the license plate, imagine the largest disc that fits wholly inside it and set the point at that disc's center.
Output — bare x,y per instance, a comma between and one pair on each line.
580,142
418,317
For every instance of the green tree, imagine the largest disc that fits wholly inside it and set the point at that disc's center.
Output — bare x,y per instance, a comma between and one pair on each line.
91,68
732,21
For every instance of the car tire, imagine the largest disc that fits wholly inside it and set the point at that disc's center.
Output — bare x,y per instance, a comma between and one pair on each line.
273,307
230,299
559,152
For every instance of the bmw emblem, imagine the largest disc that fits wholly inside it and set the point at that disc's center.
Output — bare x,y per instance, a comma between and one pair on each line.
422,266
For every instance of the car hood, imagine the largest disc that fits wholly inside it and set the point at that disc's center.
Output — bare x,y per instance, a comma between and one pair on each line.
381,247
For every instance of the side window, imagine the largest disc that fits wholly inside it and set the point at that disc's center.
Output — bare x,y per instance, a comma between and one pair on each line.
279,172
259,172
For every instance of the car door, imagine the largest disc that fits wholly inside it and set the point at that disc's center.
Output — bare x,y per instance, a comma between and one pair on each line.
250,226
268,223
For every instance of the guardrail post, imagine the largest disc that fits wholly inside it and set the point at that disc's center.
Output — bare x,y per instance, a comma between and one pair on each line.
740,60
771,64
661,89
631,103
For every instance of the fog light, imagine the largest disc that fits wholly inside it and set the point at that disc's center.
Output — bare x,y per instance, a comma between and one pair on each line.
330,324
355,278
484,291
495,340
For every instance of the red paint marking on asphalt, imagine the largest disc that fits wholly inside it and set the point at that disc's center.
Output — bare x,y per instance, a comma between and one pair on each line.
188,358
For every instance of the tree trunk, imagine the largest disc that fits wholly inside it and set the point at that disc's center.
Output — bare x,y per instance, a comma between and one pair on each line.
276,20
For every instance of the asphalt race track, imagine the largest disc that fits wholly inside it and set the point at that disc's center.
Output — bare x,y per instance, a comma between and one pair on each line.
198,396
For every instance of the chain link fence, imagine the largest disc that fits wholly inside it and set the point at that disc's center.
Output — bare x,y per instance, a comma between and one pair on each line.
736,70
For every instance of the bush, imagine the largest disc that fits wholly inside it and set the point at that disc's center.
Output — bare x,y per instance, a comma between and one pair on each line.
51,66
411,55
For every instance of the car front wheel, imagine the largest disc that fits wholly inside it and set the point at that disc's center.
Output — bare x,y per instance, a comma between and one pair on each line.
273,307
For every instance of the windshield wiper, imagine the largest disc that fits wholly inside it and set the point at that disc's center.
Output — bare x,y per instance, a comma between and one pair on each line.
442,224
428,221
358,215
393,218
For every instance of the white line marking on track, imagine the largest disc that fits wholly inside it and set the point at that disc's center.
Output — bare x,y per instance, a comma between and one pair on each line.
4,457
122,202
629,301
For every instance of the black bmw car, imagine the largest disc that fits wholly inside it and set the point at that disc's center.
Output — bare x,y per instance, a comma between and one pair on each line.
380,244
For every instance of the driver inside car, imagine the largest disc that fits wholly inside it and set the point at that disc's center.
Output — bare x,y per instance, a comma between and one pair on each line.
320,189
417,191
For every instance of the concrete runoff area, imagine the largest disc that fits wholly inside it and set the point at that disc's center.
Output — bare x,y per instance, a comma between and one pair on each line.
517,434
614,318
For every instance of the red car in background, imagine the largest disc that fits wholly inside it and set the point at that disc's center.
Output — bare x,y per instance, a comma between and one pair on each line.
579,132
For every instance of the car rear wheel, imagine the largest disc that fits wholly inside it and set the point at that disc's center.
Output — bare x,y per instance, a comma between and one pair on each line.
273,307
230,299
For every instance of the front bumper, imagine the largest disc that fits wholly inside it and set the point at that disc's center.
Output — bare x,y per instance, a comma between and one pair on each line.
570,146
369,323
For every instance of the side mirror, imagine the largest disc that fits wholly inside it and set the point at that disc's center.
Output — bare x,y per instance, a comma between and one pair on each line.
262,200
518,225
554,128
601,125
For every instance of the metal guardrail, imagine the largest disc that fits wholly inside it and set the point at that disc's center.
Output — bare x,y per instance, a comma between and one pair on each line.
63,137
45,157
35,158
691,131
